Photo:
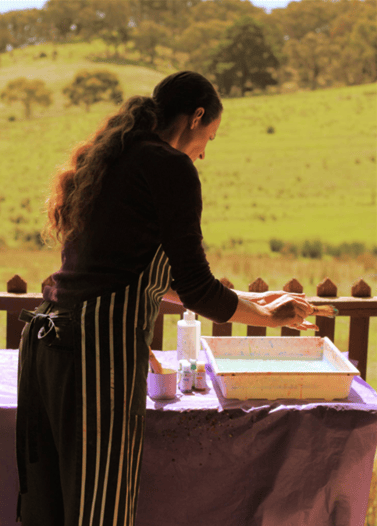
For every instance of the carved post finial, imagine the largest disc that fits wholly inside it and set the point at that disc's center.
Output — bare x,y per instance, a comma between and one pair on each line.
258,285
17,285
327,288
293,286
360,289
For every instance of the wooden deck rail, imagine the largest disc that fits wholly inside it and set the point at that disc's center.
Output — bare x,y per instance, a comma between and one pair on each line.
359,307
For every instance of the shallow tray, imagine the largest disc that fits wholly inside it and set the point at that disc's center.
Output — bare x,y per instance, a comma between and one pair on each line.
279,367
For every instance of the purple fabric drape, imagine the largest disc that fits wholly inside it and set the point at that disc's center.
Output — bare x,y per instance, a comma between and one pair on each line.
209,461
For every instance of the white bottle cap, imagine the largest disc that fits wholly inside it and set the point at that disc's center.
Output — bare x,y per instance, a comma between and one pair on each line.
188,315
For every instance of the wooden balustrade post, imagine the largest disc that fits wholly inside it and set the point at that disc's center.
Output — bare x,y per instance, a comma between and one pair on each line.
292,286
257,286
16,285
359,330
326,289
223,329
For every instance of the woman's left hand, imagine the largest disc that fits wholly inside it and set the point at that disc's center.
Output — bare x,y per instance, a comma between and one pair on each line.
264,298
290,310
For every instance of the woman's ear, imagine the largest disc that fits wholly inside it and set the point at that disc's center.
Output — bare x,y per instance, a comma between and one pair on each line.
196,118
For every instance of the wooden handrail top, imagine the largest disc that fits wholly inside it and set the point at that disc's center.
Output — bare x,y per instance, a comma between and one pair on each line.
10,301
347,305
21,295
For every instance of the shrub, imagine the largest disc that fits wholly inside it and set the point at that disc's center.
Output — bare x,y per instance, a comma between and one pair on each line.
312,249
353,249
276,245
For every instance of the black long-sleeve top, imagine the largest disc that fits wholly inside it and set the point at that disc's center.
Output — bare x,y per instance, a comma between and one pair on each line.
151,195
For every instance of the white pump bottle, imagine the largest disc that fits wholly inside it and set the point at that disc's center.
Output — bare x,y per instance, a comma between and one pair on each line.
188,337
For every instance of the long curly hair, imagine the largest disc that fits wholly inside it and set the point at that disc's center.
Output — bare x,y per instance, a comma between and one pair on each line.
76,186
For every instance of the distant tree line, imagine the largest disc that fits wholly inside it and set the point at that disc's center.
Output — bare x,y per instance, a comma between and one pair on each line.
311,43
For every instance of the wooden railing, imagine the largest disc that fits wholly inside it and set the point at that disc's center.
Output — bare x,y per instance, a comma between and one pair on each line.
359,307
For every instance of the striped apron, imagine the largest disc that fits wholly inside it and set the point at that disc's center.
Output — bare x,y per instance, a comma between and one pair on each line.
82,404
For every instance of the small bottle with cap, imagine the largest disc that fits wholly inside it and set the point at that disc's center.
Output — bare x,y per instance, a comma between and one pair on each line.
186,377
200,377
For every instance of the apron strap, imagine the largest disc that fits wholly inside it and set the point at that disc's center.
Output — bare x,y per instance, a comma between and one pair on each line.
41,326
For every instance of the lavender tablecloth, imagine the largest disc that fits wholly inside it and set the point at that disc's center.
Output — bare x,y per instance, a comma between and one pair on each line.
210,461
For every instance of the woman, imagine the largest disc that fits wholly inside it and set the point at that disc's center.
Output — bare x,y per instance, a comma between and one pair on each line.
127,212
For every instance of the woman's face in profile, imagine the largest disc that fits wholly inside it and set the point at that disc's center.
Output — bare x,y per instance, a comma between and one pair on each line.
196,139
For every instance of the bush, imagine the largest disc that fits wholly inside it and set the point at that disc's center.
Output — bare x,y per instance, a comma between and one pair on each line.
276,245
312,249
315,249
353,249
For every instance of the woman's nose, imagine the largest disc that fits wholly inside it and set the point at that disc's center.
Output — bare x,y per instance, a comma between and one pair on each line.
202,155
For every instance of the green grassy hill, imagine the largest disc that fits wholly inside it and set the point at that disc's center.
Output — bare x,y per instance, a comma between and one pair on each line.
314,177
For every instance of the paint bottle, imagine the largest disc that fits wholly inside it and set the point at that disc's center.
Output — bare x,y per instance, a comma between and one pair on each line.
186,378
193,371
200,377
188,337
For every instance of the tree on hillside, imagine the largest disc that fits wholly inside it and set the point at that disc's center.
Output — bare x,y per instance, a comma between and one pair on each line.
5,37
115,37
301,18
61,16
111,21
89,87
223,10
28,92
354,34
175,20
199,40
69,17
243,59
24,27
147,37
311,56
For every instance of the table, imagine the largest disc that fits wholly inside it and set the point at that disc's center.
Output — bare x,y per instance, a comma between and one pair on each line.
209,461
